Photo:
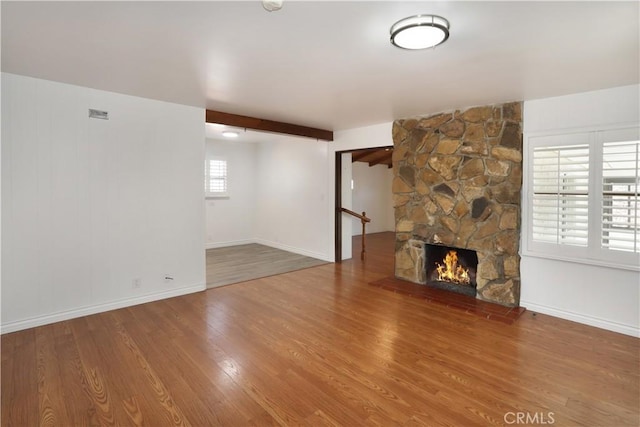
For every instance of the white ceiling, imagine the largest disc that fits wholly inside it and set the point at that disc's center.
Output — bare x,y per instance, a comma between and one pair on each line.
324,64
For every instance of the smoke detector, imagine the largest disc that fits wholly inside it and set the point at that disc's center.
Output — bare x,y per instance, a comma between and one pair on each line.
272,5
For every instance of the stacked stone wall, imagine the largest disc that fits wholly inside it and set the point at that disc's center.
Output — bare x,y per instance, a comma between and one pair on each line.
457,182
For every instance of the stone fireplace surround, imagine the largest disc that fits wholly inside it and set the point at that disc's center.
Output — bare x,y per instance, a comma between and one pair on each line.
457,182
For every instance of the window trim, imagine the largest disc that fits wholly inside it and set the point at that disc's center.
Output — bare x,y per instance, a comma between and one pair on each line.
594,253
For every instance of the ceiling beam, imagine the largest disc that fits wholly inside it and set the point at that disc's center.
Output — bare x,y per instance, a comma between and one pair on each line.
267,125
359,155
384,157
373,156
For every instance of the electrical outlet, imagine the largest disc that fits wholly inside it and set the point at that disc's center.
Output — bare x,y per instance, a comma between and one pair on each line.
136,283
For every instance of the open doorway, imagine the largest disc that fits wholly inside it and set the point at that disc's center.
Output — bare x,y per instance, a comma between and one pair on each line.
363,180
255,227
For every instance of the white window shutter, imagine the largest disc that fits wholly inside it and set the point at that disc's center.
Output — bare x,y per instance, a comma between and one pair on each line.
620,201
215,179
561,195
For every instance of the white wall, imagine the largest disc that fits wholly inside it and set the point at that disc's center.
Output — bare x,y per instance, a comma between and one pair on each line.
230,221
372,194
291,197
90,205
600,296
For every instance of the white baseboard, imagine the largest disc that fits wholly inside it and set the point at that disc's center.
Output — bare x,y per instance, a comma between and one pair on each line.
632,330
215,245
94,309
295,250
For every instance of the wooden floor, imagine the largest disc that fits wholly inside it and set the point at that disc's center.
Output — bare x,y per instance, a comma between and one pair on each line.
319,346
236,264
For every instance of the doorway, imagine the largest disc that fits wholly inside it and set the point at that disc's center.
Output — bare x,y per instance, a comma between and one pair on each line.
376,183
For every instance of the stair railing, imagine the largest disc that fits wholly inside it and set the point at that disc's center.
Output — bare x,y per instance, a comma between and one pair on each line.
363,220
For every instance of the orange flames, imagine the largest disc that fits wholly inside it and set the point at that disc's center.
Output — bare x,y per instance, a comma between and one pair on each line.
450,271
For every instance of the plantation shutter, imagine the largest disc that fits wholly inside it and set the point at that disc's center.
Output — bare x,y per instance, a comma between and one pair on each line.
561,195
620,201
215,178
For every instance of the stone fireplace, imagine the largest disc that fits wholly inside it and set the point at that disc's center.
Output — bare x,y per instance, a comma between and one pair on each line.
457,182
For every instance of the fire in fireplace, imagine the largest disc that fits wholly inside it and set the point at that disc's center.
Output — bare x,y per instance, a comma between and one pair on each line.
452,269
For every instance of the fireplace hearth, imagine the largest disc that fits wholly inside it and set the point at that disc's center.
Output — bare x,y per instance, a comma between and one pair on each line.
451,269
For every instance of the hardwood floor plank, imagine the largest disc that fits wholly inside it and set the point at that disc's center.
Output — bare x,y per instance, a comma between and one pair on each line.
162,393
99,377
132,408
319,346
95,388
19,394
51,400
77,405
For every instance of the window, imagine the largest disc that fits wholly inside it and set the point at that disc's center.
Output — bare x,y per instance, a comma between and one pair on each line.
215,178
582,200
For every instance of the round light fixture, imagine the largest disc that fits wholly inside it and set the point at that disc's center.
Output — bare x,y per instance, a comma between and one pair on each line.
419,32
230,134
272,5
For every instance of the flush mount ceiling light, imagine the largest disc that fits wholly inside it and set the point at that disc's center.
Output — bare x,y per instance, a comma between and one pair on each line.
230,134
420,32
272,5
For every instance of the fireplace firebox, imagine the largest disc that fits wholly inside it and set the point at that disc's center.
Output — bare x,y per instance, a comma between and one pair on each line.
452,269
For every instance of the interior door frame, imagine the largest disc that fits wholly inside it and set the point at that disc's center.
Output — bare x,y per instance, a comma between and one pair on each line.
337,202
